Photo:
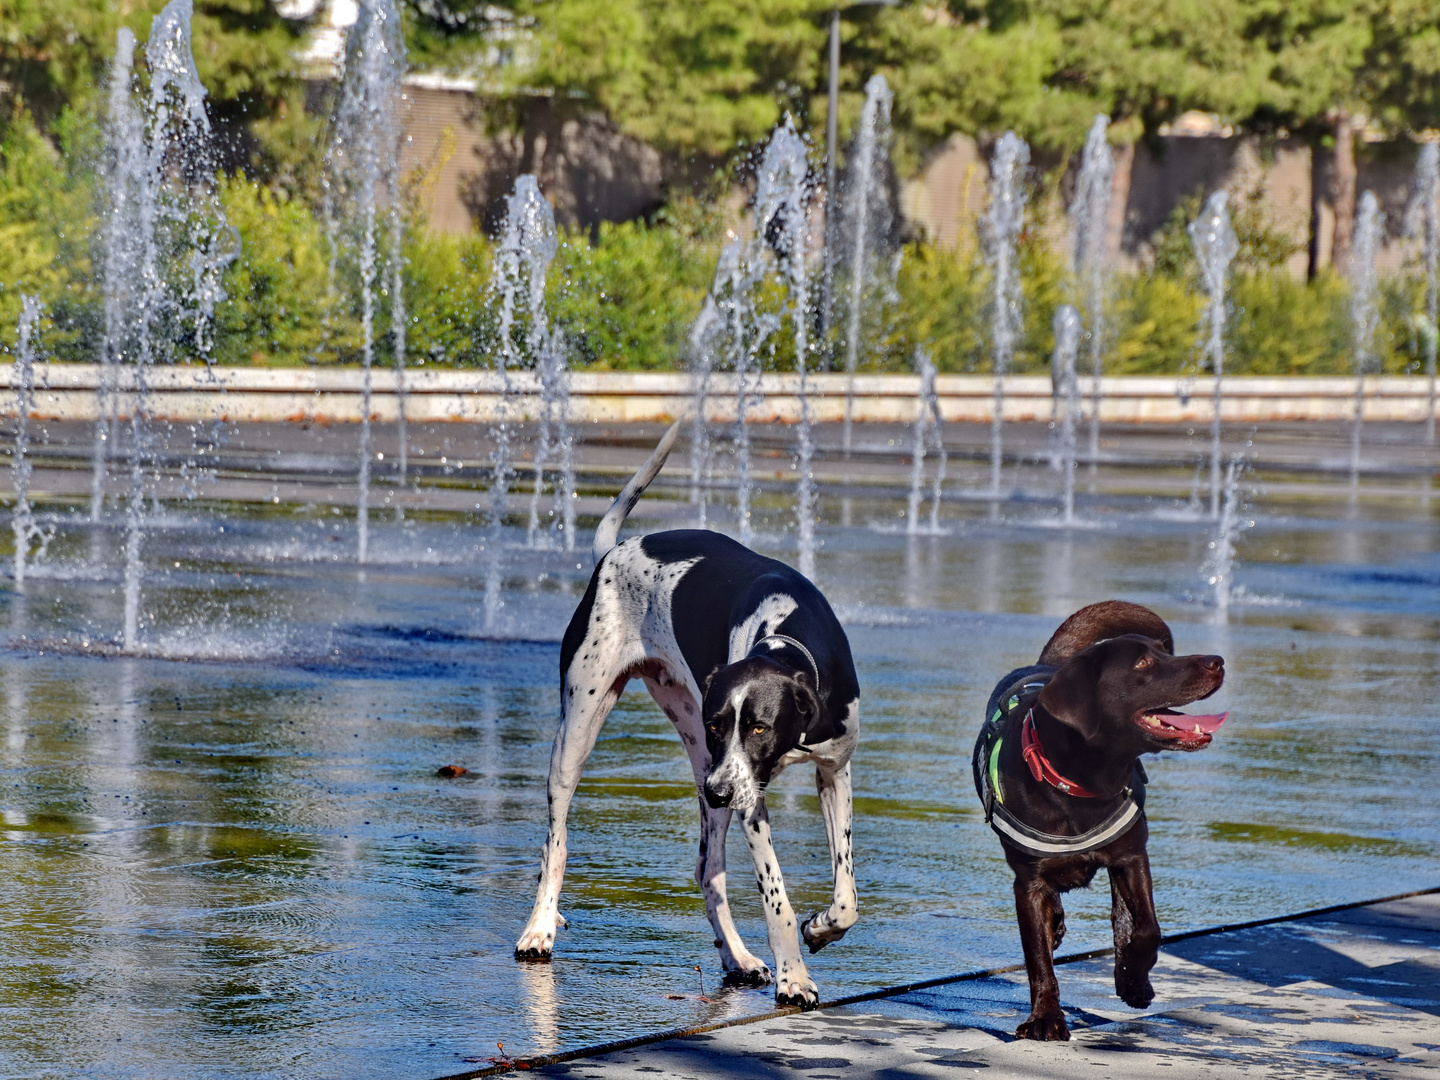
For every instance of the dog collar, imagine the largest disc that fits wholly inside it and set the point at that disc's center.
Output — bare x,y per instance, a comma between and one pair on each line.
1040,768
786,639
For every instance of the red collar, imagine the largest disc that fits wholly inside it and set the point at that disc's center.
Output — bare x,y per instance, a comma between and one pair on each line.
1040,767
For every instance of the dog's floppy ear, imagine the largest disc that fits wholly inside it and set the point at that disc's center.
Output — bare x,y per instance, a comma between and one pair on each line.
1072,695
815,727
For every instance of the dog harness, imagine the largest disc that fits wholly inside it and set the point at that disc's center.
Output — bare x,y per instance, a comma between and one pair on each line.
1012,706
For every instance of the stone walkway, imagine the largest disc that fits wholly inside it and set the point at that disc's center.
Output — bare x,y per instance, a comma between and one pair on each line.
1348,993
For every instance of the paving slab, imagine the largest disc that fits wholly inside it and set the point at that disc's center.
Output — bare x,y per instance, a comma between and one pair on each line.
1353,992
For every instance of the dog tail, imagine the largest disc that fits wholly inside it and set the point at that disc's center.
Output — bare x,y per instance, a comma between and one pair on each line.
608,531
1095,623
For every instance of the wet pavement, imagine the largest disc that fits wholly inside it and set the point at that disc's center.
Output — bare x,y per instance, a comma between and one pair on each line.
1346,993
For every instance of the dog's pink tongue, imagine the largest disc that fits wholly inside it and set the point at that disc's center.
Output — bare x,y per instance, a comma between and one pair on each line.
1209,723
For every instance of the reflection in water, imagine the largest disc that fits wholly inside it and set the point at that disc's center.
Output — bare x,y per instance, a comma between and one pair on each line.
1056,595
542,1006
252,861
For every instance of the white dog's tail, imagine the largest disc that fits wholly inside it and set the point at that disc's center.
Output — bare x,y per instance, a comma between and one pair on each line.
608,531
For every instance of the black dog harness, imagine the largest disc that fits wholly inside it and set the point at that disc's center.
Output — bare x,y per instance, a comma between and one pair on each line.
1011,709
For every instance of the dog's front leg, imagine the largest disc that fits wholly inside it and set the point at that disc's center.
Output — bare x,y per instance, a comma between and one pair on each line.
793,985
741,966
835,807
1137,930
1035,905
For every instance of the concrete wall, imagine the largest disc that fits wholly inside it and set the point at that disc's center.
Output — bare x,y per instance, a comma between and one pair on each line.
947,196
68,392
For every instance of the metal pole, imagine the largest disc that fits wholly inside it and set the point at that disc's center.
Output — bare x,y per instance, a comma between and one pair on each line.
832,138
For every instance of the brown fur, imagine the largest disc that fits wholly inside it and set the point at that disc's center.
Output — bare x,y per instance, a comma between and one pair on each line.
1108,619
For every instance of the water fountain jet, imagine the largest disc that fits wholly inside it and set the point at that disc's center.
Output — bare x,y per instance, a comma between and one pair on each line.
1219,567
178,225
1003,221
1089,217
782,212
124,138
363,162
23,379
926,436
1364,312
517,279
1427,200
1215,247
708,326
867,220
1067,391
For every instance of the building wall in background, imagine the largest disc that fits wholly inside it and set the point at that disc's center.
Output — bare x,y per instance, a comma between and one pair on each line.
590,171
946,198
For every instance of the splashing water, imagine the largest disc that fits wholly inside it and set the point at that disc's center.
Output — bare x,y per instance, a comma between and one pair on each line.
1003,221
733,328
1067,392
557,444
1427,203
124,140
782,213
1219,567
522,260
1215,247
1089,217
1364,311
163,170
867,219
546,352
364,165
703,335
927,435
23,380
734,331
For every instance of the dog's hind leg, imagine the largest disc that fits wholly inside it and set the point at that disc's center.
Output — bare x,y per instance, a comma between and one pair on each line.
678,702
835,807
793,985
1137,931
587,701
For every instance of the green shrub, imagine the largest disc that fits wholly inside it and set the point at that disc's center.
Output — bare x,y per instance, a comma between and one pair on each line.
625,295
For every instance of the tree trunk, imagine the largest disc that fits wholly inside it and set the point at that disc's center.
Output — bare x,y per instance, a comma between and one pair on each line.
1342,190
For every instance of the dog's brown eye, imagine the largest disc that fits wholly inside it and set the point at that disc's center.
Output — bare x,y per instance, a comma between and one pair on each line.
1143,663
757,729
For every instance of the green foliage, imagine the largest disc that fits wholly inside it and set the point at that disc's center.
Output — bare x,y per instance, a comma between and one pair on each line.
46,220
55,55
698,77
629,298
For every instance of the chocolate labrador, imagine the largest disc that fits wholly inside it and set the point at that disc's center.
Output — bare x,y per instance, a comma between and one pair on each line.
1057,767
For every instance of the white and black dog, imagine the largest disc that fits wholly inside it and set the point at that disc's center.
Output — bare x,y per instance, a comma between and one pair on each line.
752,667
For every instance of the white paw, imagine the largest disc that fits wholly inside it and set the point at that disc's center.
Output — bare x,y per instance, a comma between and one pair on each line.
819,931
745,970
535,945
800,991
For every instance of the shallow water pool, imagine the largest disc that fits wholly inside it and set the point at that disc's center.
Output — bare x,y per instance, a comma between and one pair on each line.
245,865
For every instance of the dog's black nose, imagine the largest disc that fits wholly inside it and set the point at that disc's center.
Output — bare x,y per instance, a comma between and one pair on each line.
1213,664
717,794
